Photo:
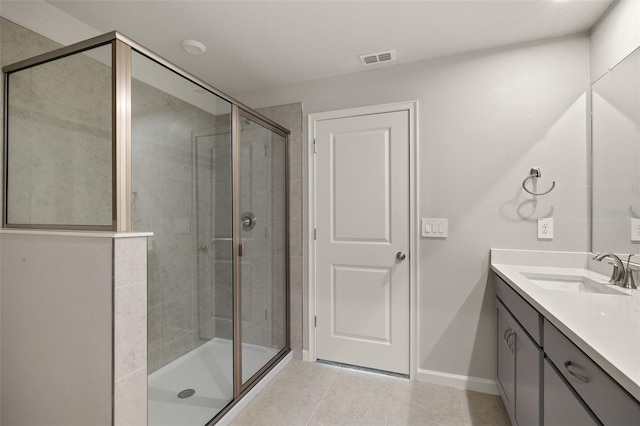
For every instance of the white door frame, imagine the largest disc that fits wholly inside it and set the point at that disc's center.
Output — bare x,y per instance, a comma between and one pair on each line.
412,107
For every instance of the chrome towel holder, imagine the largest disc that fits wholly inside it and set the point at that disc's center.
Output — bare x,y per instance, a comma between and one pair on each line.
535,173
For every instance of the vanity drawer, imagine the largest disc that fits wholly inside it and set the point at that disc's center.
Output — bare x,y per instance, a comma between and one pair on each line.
526,315
609,402
561,406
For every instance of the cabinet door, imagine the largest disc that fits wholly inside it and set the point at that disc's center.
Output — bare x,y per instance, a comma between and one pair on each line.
528,358
604,397
561,406
505,371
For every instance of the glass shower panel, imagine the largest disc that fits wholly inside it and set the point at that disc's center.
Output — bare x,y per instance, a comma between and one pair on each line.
181,191
59,168
263,236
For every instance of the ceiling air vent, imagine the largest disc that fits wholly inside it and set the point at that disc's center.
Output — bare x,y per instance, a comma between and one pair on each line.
377,58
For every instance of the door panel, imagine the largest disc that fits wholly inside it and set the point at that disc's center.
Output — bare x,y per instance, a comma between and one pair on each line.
364,191
361,303
362,222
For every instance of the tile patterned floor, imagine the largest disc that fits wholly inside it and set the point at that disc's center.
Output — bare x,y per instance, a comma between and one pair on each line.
312,394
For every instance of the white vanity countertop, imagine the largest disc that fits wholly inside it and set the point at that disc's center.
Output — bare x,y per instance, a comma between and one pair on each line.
606,327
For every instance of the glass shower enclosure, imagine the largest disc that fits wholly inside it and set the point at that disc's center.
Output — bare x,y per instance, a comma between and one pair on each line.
105,135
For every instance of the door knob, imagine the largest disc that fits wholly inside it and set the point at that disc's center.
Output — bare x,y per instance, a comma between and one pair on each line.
400,255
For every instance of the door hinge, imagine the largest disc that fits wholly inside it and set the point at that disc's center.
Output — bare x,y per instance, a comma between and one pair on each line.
315,321
315,233
314,146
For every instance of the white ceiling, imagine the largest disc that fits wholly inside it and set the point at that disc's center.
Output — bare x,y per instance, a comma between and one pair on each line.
256,44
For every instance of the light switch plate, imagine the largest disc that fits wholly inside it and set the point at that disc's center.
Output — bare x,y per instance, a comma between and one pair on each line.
635,229
545,228
435,227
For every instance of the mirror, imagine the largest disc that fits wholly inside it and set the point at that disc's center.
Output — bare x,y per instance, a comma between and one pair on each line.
616,158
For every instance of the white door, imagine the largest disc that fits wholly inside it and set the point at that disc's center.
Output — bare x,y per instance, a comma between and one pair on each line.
362,243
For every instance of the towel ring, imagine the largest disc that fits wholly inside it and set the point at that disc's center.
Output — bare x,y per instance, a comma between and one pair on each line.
535,173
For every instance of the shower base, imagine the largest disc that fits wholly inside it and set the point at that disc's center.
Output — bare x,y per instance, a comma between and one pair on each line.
208,370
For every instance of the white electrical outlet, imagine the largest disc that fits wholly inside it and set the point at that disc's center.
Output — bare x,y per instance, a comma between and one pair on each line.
635,229
545,228
435,228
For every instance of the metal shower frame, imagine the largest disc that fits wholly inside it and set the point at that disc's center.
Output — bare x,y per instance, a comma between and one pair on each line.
121,48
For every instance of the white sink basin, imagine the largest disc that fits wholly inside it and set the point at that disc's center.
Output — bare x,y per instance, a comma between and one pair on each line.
572,283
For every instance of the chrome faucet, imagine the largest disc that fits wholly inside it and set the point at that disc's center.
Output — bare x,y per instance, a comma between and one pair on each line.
628,281
618,273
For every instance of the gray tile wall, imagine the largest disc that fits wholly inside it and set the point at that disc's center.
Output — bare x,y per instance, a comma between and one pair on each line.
60,137
222,249
263,265
130,331
164,132
290,116
16,44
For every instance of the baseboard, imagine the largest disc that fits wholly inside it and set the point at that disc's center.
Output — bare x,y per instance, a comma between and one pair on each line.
476,384
242,404
306,356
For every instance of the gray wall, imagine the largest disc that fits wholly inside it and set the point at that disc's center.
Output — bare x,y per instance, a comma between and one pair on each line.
57,334
615,36
484,119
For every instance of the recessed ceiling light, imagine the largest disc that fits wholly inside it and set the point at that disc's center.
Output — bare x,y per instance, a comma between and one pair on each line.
193,46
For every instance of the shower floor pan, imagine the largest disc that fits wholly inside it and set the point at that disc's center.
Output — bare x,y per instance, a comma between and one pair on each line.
207,370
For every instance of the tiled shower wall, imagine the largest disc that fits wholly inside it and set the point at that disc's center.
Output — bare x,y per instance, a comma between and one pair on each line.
262,193
221,244
61,128
290,117
18,43
164,133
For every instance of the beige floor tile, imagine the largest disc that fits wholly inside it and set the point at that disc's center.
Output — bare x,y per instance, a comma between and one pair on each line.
356,398
313,394
312,374
291,398
418,403
482,409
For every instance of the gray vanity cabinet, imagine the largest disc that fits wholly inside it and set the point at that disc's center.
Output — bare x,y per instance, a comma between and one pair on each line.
611,404
555,383
561,406
519,365
506,368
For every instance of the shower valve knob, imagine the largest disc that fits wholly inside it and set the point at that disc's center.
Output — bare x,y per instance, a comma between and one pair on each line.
248,221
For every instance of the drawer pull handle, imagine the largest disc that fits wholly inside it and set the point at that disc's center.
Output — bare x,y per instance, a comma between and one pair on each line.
580,377
508,333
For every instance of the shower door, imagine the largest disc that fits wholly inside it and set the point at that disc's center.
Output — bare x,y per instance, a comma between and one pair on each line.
263,239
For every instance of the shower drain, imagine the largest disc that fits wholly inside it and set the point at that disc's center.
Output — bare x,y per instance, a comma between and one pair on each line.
186,393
